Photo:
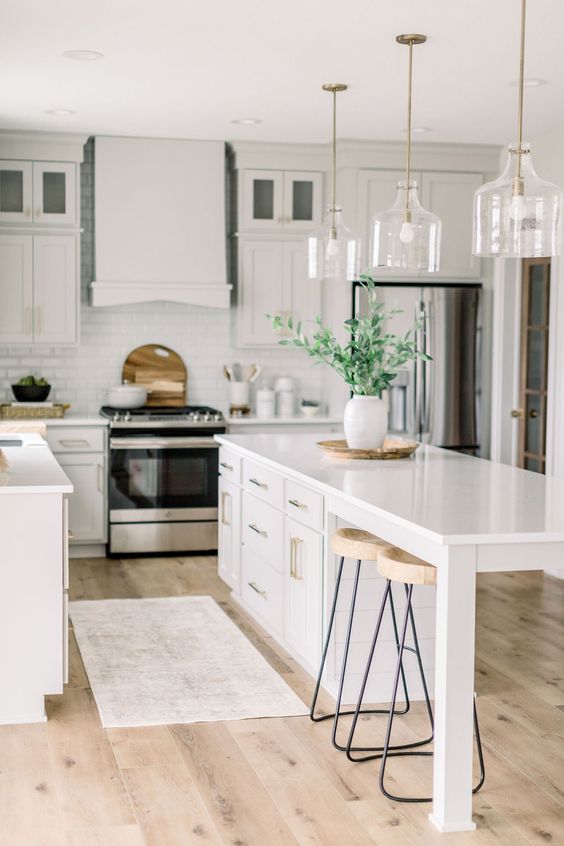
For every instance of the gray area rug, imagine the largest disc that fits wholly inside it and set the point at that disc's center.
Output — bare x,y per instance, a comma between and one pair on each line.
174,660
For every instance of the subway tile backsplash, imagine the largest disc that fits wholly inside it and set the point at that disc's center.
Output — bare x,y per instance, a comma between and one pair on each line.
202,336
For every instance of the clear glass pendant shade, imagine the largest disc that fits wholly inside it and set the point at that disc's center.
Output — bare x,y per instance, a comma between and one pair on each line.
406,237
333,252
518,214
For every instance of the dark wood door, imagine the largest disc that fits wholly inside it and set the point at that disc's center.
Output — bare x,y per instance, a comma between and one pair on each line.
535,308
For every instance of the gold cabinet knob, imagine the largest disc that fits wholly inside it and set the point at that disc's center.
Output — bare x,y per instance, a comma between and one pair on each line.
518,413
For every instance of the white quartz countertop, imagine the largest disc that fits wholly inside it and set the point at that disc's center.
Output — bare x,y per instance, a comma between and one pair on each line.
75,420
443,495
273,421
32,467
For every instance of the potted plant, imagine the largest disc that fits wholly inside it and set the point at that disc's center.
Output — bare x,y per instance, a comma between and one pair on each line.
368,361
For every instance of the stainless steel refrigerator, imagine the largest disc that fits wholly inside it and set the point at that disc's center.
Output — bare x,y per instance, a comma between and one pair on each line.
437,402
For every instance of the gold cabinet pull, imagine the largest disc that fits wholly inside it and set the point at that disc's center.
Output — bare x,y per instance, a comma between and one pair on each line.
258,531
224,496
294,544
100,478
297,504
27,320
226,466
258,590
259,484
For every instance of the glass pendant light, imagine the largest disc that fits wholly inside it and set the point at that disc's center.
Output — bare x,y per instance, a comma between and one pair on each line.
407,237
333,252
518,214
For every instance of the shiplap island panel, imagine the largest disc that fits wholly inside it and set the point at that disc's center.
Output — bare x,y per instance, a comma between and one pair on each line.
462,514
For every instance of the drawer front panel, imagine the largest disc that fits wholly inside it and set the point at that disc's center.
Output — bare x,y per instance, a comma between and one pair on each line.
304,505
261,589
263,483
75,439
230,465
263,530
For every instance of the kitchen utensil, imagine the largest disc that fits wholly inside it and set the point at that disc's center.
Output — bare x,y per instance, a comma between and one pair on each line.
227,373
237,372
392,448
254,373
161,371
127,396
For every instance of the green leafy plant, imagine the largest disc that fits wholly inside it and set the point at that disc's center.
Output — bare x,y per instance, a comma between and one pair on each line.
370,359
32,381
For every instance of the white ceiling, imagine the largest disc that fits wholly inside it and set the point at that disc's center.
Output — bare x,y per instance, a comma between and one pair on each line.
186,68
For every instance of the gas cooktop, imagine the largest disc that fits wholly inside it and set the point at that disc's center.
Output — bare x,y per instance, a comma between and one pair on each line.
188,415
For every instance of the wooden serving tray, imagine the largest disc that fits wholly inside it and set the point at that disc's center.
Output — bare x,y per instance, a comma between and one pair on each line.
392,448
33,412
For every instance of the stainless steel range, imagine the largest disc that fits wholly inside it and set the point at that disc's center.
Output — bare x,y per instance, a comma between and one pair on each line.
163,479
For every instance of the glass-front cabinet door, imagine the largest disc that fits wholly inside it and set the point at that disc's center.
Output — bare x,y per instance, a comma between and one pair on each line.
54,192
302,200
262,199
15,192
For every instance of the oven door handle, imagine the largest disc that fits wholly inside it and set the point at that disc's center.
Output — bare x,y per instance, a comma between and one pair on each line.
163,443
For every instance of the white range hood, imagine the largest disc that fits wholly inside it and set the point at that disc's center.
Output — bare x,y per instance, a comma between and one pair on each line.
160,222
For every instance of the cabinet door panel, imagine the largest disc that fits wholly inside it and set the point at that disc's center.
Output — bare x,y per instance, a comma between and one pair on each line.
260,291
15,192
262,199
87,519
54,193
55,288
16,289
229,534
303,554
302,200
451,197
301,295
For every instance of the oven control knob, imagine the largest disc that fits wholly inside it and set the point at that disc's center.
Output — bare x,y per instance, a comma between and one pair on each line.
126,417
218,416
207,416
116,416
196,417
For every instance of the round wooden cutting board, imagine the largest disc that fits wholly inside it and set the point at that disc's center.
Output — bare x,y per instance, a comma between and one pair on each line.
160,370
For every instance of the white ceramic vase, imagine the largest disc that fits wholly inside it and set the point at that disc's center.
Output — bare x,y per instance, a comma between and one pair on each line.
365,422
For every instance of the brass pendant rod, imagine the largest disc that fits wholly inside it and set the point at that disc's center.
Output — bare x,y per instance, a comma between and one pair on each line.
409,97
334,163
521,87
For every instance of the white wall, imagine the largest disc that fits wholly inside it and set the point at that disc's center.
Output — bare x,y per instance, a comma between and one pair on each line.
202,336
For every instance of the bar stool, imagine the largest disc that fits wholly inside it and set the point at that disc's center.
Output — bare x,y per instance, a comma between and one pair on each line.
362,546
395,565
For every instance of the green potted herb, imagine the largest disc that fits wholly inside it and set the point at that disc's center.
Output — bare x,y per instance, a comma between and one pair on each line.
368,362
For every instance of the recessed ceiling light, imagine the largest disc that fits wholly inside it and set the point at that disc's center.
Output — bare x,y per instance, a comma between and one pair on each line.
529,83
247,121
83,55
60,112
419,129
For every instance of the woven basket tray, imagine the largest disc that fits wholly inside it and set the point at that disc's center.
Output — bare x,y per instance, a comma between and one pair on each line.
392,448
32,412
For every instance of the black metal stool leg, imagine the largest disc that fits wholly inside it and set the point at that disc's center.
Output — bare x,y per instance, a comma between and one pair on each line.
390,751
326,648
345,658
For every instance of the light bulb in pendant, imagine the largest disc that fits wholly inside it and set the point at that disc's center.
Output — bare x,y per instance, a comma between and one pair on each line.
332,250
517,208
407,232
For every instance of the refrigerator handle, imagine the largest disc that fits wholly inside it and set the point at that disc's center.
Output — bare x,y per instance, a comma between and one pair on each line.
426,370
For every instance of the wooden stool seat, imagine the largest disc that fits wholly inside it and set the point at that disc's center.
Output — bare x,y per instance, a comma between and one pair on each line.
356,543
399,566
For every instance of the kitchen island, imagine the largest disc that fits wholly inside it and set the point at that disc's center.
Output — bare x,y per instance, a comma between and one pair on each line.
464,515
33,578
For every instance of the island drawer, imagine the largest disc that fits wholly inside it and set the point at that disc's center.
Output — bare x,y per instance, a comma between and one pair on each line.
76,438
230,465
263,530
263,483
304,505
261,589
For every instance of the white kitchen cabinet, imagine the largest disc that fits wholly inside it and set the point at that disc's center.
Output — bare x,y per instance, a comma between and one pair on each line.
303,554
272,280
38,289
16,288
80,450
38,192
449,194
229,534
280,201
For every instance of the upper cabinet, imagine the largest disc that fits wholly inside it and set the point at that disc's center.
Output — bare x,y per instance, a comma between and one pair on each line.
448,194
38,193
280,201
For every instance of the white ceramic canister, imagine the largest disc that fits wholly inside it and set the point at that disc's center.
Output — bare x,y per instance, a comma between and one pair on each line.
286,396
365,422
266,403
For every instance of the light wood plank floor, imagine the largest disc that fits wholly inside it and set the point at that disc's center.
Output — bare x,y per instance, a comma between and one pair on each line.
279,782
